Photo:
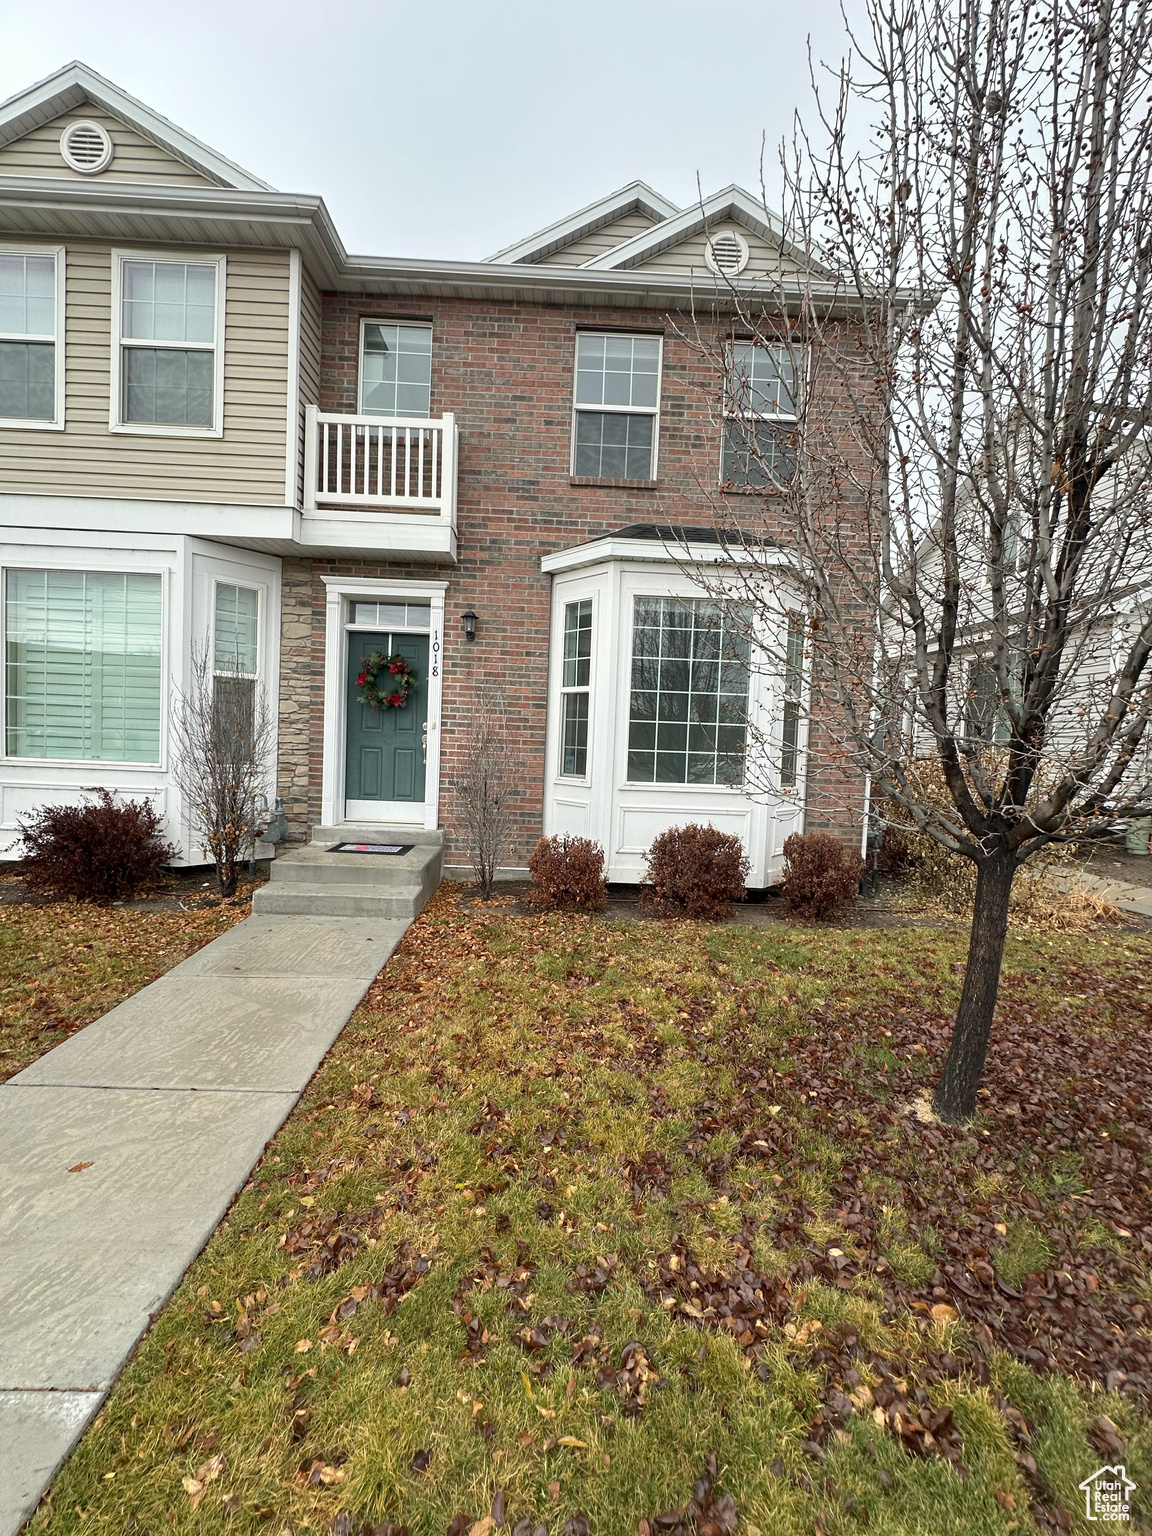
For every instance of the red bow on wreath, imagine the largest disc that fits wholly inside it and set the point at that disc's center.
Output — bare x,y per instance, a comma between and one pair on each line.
400,676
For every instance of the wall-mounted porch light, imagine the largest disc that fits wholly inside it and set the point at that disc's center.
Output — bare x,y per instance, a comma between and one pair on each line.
470,621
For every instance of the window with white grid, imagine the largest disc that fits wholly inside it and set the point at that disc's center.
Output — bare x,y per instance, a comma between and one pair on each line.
688,714
617,406
30,375
760,410
170,351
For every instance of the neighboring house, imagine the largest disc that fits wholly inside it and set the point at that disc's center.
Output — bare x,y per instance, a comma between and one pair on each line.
219,429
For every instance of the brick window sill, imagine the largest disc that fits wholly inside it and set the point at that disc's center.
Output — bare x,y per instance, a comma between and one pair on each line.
623,485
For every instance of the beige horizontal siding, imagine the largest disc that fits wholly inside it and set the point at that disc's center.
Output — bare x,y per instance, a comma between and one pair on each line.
311,319
588,247
134,157
86,459
688,256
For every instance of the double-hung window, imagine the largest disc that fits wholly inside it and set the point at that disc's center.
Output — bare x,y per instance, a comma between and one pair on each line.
617,406
83,674
31,350
688,714
235,656
168,362
760,412
395,369
575,688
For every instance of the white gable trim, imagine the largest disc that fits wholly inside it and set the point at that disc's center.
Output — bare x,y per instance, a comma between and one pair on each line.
75,84
637,196
731,203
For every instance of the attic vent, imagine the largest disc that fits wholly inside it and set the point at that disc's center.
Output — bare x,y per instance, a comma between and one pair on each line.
726,253
86,147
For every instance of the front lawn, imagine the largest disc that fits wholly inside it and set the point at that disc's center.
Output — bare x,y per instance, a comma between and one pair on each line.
590,1226
63,964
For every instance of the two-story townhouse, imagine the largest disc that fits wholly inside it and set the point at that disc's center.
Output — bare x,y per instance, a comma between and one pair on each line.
220,430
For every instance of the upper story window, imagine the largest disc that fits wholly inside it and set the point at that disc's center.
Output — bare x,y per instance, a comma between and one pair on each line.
31,357
169,357
760,408
617,406
395,369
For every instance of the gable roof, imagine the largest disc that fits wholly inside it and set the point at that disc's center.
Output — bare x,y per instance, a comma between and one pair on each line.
731,204
75,84
637,196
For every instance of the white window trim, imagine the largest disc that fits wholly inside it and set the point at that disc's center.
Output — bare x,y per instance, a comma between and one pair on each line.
563,691
785,417
167,429
28,423
423,325
249,586
90,764
622,410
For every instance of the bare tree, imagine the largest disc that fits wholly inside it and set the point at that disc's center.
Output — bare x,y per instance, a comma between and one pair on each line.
955,447
484,787
223,735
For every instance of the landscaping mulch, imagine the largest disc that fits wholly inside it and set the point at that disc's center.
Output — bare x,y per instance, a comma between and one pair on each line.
590,1225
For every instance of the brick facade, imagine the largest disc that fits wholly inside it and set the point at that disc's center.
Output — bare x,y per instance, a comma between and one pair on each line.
507,372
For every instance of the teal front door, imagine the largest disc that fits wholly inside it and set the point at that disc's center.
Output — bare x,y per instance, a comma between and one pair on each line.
384,774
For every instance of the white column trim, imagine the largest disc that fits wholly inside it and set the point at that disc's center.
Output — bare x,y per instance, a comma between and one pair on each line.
375,588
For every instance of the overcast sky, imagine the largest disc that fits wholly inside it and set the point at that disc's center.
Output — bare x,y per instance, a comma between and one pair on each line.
452,129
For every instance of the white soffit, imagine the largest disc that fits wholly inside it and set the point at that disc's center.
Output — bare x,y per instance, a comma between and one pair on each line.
69,88
637,196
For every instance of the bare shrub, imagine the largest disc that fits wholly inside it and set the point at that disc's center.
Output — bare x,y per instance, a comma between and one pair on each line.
567,872
223,734
897,858
821,876
484,788
694,871
100,851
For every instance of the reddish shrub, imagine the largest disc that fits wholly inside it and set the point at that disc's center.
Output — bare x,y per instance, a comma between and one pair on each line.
93,852
820,875
567,872
694,872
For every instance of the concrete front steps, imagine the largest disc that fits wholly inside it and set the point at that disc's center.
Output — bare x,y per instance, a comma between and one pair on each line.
310,881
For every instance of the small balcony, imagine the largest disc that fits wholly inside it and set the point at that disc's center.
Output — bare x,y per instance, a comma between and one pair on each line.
396,474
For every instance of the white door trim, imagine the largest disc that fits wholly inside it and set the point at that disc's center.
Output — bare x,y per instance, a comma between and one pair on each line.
375,589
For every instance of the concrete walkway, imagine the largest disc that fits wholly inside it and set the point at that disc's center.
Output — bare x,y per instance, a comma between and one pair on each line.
1124,894
170,1098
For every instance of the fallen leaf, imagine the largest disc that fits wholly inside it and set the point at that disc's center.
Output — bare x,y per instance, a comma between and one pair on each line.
581,1445
943,1313
79,1167
483,1527
303,1346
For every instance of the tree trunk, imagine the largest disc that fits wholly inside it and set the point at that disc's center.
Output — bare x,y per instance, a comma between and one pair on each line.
227,876
955,1099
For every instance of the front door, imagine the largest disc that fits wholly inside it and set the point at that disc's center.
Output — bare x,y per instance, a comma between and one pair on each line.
384,772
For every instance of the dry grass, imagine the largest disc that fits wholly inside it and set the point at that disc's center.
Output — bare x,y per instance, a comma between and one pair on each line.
426,1305
63,964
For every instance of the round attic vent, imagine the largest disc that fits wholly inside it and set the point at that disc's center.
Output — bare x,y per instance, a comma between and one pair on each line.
726,253
86,147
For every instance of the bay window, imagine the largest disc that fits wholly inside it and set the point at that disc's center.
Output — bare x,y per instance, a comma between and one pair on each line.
616,407
235,655
83,665
31,354
575,687
793,690
168,360
760,415
689,697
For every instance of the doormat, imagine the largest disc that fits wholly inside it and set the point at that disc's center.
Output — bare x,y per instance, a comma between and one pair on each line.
393,848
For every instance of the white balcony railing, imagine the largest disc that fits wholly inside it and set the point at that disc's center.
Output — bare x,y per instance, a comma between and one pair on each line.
380,463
